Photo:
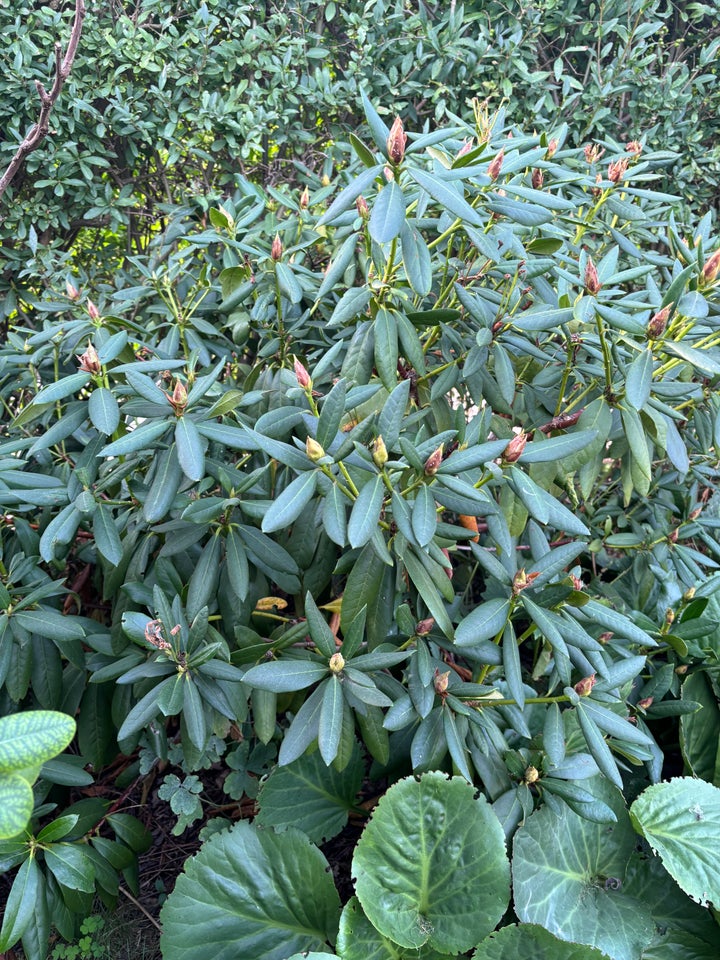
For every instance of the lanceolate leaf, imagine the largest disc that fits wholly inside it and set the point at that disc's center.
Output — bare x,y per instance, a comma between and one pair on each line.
286,508
189,449
366,512
447,197
277,897
284,676
388,215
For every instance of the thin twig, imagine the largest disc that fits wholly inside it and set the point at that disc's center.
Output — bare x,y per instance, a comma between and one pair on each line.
131,898
47,100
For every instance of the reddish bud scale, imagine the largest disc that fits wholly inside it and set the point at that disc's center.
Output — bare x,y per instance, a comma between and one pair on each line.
658,323
90,361
495,165
93,311
537,178
276,250
551,149
440,682
583,687
396,141
433,462
362,207
711,268
423,627
617,170
303,377
513,451
592,281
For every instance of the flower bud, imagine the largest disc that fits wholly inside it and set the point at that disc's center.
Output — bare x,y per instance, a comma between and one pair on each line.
325,180
711,268
304,199
551,149
440,682
396,141
537,178
362,207
681,670
617,170
645,703
495,165
521,580
466,148
379,453
93,311
690,592
276,250
388,174
657,324
513,451
303,377
433,462
531,775
90,361
605,637
423,627
336,663
313,450
178,399
593,152
71,291
592,281
583,687
634,147
669,616
596,191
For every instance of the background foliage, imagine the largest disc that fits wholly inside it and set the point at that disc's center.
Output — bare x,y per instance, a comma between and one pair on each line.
410,473
167,104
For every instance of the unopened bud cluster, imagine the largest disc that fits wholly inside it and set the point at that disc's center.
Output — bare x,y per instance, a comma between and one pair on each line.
90,361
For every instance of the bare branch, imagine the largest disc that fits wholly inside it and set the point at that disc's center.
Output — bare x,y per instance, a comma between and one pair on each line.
47,100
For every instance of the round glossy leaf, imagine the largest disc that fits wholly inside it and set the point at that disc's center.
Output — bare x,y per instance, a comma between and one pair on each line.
681,821
530,940
251,893
431,866
311,796
568,877
359,940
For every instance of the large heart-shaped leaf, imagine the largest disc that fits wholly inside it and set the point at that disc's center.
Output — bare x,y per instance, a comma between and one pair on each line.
568,877
530,940
251,893
681,821
431,866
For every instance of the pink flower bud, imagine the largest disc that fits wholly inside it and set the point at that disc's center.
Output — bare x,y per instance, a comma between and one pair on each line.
551,149
433,462
617,170
584,686
362,207
645,703
495,165
178,398
593,152
423,627
658,323
396,141
303,377
592,281
466,148
276,250
513,451
71,291
537,178
634,147
711,268
90,361
305,199
93,311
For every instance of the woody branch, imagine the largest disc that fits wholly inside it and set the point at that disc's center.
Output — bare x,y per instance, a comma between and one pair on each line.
47,99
